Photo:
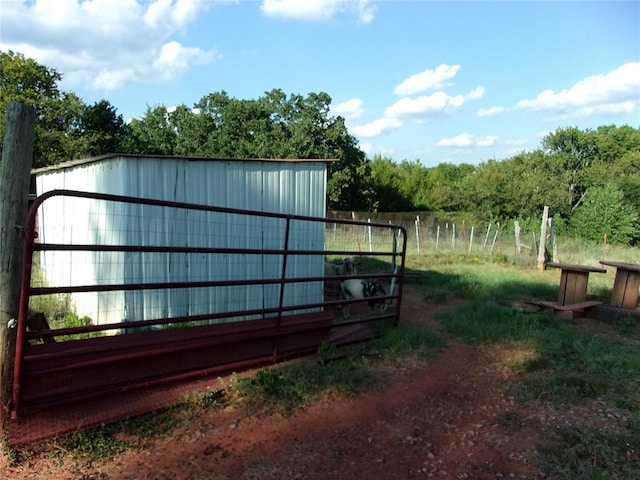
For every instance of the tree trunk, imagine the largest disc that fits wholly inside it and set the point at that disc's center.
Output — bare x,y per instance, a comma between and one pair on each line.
15,173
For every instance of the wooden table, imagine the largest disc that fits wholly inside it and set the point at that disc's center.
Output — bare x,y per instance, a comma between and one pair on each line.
573,285
625,285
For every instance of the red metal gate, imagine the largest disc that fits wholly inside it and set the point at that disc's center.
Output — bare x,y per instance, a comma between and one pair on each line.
181,308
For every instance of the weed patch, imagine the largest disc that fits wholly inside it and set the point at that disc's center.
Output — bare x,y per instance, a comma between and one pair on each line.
591,454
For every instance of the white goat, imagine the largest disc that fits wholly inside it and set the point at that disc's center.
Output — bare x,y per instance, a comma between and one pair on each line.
362,288
344,267
336,269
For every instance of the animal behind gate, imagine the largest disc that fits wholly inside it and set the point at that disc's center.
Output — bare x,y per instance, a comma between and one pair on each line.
356,288
346,266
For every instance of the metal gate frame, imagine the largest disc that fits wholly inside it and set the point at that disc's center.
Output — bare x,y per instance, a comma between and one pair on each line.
51,373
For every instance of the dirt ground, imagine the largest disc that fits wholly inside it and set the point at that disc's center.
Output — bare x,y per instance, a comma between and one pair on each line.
450,419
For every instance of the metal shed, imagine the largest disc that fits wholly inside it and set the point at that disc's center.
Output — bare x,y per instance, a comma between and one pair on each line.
295,187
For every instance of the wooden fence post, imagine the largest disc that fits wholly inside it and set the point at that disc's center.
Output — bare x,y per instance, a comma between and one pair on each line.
486,237
516,226
542,261
15,174
554,244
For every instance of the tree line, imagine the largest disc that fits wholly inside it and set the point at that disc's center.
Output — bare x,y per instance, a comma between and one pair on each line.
590,179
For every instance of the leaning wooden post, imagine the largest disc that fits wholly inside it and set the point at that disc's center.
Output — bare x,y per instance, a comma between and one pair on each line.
554,244
15,172
542,263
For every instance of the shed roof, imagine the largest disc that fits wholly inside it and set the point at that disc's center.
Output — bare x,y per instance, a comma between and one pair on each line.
83,161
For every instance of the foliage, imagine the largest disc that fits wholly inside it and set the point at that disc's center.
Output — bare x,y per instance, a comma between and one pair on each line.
604,214
66,128
101,129
24,80
154,133
559,174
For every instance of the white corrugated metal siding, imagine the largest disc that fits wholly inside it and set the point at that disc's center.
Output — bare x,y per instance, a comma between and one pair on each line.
273,186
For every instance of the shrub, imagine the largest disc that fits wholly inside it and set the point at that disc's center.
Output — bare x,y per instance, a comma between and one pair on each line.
604,212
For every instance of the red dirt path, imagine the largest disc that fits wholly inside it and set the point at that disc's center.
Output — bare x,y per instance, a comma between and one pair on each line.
443,420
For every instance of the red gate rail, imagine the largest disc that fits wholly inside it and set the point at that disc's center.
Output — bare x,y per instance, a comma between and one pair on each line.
51,369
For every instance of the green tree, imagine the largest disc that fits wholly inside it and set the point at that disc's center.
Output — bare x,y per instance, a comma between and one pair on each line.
604,212
389,182
155,133
101,129
615,142
23,80
56,126
66,128
277,126
446,186
572,150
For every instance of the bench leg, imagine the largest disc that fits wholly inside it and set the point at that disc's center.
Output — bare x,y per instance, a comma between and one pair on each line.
625,289
573,287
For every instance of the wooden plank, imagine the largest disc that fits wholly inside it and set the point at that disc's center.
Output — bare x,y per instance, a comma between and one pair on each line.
619,287
624,265
576,268
566,308
562,289
625,289
578,288
579,306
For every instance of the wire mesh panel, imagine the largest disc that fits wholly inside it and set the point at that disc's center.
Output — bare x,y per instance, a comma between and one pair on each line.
118,260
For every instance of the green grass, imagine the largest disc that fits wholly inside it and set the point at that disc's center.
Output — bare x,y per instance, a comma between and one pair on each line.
591,454
342,371
560,365
564,365
100,443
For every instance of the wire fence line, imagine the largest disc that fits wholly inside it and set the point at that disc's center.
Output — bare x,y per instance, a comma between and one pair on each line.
427,233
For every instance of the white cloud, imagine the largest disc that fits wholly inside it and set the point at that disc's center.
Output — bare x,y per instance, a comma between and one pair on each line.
516,142
377,127
172,13
476,93
351,109
490,112
419,110
112,79
318,10
426,105
429,107
429,79
104,44
465,140
371,150
174,60
617,92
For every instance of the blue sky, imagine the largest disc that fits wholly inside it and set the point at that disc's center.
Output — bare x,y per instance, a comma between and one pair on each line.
455,82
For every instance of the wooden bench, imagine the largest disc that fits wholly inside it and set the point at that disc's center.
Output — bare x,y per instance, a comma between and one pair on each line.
572,292
625,285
